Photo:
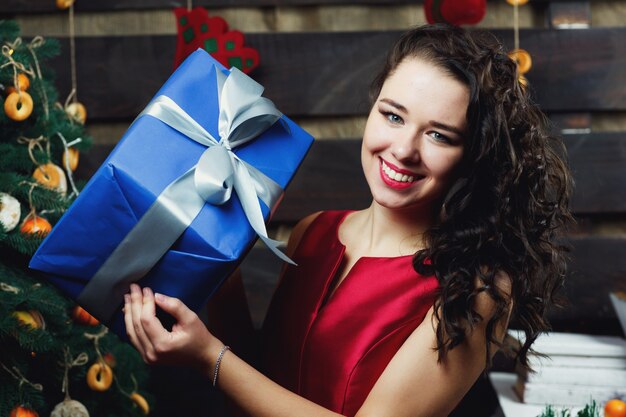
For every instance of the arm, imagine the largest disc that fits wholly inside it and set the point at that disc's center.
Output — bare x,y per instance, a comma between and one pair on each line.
228,316
395,393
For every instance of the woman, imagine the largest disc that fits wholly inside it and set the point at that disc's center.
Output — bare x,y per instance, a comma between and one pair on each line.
397,309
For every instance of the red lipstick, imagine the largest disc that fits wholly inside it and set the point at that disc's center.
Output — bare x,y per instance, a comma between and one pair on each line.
398,185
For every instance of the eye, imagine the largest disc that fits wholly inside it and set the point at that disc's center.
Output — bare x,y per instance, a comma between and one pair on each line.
393,118
438,137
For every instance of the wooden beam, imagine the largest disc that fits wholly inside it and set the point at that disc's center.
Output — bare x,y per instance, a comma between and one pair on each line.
331,176
569,15
328,74
11,7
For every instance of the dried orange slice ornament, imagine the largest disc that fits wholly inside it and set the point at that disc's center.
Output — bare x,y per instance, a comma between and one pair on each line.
18,106
522,59
77,112
70,155
51,176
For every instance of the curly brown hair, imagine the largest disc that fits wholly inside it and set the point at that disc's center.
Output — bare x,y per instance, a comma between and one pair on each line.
509,207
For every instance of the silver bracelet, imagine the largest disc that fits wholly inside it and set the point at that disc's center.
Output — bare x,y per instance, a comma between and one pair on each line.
217,363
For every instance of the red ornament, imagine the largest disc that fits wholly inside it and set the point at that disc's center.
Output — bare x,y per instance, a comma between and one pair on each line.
455,12
197,30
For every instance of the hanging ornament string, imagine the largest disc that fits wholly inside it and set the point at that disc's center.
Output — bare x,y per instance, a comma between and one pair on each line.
516,24
15,373
69,363
123,391
74,92
96,341
33,212
134,395
66,147
189,5
9,288
37,42
521,57
35,143
7,52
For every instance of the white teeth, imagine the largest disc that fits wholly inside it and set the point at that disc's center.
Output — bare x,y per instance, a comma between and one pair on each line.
396,175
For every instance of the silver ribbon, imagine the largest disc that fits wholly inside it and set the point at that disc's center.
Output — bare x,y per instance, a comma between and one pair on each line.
244,115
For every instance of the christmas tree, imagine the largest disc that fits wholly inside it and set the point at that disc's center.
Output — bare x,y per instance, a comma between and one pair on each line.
54,357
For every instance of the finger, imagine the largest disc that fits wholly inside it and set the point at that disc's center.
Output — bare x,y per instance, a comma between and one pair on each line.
136,306
176,308
130,329
151,324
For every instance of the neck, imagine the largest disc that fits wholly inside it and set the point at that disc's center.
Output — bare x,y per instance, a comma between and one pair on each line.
397,231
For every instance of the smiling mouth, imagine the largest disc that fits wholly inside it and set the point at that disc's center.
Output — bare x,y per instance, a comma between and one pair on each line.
397,176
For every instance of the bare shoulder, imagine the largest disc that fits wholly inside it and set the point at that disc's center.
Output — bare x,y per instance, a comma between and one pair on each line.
298,232
503,286
486,306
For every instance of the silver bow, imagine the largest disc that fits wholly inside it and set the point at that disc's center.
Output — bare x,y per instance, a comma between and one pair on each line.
244,115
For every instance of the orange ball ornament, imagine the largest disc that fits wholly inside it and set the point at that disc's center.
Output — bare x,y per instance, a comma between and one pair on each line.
615,408
70,157
23,82
99,376
81,316
21,411
36,225
18,106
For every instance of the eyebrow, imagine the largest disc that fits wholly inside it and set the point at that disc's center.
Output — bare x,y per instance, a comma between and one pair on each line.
394,104
449,128
434,123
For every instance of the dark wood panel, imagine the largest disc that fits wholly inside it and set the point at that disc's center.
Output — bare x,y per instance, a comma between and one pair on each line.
41,6
327,74
598,163
597,267
331,176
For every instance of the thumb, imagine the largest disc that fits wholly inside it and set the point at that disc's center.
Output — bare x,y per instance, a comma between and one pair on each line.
175,307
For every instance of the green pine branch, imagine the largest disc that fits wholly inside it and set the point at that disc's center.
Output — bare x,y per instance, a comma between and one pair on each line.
31,357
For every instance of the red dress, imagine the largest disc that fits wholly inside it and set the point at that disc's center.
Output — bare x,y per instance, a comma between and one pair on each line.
333,352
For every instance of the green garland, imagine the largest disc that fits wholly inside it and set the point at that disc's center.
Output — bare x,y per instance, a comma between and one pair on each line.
590,410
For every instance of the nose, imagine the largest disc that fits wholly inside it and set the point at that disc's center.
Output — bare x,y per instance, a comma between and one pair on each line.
407,149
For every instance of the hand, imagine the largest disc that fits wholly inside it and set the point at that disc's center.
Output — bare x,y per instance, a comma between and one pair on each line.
188,344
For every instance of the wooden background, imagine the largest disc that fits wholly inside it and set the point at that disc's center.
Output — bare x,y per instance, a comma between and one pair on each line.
317,58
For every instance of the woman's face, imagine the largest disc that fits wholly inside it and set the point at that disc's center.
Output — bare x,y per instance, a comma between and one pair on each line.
414,136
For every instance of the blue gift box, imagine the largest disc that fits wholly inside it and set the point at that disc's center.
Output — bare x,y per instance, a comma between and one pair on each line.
149,157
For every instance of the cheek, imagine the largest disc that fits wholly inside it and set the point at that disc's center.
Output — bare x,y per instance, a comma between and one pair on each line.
443,164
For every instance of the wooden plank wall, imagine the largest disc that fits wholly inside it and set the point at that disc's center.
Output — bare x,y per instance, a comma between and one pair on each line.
320,75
